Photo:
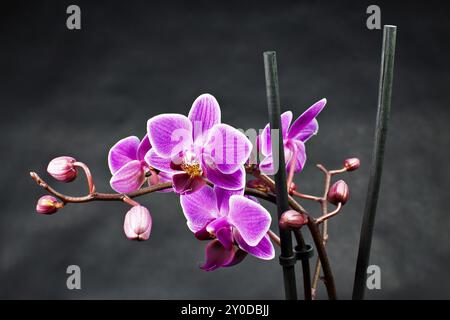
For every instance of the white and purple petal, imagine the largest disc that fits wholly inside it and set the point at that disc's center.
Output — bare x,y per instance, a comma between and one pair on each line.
129,178
265,141
250,219
303,122
199,208
308,131
204,114
297,155
223,198
286,119
124,151
143,148
163,164
169,134
263,250
267,166
233,181
228,147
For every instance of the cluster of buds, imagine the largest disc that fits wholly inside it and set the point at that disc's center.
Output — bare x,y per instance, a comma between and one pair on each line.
138,221
63,169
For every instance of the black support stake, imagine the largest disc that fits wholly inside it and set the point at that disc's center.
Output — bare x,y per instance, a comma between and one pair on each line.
384,106
287,257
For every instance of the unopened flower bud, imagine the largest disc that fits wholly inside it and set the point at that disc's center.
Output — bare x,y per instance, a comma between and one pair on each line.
138,223
292,219
338,193
48,205
62,169
352,164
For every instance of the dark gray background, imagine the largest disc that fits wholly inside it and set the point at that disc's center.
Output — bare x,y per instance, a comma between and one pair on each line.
77,92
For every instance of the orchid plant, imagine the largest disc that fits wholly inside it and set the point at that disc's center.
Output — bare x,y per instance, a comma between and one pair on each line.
209,164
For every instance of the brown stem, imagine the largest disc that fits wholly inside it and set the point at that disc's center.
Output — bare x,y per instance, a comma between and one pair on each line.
325,216
98,196
119,197
88,174
275,238
305,196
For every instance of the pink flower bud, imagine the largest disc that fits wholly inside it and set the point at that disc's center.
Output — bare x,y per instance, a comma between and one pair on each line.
292,219
338,193
138,223
48,205
62,169
352,164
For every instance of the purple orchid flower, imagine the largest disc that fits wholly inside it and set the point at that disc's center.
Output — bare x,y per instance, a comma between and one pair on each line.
198,147
127,165
294,138
235,222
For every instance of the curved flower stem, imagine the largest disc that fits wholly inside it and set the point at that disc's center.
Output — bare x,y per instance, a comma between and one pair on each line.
305,196
119,197
88,174
325,216
95,196
274,237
